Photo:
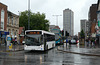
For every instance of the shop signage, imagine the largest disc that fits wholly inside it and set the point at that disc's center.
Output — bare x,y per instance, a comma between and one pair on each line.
9,38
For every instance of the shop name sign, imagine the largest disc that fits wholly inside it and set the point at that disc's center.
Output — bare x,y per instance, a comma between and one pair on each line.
98,18
2,33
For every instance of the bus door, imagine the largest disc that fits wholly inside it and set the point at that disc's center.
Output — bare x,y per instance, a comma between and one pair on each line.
45,40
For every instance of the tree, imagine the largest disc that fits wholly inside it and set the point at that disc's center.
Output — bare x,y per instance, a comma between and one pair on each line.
82,34
37,21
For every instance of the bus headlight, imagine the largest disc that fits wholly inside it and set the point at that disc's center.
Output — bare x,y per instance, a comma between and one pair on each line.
25,45
41,46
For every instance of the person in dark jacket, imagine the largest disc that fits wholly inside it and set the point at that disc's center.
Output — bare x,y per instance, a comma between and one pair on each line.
11,40
66,42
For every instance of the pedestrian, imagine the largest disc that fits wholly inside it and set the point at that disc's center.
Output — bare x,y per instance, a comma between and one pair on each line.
66,41
11,40
15,40
89,43
77,43
69,43
5,42
93,43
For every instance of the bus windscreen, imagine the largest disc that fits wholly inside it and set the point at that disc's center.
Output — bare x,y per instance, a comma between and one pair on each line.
34,40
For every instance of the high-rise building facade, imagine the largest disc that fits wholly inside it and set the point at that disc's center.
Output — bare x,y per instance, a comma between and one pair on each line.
68,22
85,27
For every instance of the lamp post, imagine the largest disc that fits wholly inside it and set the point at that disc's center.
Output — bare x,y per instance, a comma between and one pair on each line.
57,19
28,14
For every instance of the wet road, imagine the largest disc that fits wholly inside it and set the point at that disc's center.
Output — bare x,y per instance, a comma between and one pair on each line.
51,57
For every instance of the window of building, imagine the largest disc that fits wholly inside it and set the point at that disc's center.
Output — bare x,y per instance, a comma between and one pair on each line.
2,19
16,32
22,32
12,20
8,19
12,33
9,31
15,21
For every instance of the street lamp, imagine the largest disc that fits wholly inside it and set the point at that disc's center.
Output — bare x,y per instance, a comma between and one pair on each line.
19,13
28,14
57,19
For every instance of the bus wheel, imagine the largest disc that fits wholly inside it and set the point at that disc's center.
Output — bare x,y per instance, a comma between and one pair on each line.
52,45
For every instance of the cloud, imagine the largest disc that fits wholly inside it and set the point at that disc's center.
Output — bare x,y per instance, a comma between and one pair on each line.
54,7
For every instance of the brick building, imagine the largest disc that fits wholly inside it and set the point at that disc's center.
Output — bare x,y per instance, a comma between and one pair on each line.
93,19
9,24
3,24
93,12
3,17
21,34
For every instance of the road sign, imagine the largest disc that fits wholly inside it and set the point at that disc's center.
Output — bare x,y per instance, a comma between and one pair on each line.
8,38
10,46
99,23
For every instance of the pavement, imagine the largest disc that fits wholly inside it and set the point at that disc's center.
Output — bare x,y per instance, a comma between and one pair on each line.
13,49
80,49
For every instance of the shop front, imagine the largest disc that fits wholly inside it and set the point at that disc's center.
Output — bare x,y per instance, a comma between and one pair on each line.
3,36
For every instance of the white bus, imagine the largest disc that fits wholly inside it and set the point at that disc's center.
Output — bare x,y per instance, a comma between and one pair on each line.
39,40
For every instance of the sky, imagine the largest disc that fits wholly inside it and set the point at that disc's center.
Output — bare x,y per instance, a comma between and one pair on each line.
53,7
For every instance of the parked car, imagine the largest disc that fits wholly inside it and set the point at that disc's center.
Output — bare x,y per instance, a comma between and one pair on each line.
73,41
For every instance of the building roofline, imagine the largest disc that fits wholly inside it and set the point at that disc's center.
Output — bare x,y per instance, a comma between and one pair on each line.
68,10
3,4
12,13
8,10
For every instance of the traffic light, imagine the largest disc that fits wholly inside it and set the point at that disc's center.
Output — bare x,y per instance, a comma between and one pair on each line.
62,33
67,34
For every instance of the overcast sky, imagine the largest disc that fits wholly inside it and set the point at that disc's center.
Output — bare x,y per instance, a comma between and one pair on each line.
53,7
